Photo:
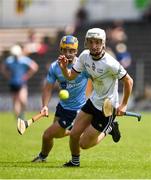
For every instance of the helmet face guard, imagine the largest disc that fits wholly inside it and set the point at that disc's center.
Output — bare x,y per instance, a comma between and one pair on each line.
69,42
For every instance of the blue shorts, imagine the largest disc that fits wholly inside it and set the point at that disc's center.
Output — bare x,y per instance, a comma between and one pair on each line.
99,121
66,117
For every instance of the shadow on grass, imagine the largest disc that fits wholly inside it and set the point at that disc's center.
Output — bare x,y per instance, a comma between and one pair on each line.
33,165
28,164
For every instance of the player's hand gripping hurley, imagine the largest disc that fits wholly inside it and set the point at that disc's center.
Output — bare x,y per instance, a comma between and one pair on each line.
109,110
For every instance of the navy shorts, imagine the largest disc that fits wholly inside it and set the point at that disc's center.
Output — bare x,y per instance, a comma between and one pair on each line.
99,121
66,117
15,88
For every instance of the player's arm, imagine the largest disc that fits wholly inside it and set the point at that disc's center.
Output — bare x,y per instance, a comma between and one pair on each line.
89,88
69,74
127,89
46,96
33,68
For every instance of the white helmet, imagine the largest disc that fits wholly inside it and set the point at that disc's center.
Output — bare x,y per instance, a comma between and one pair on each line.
96,33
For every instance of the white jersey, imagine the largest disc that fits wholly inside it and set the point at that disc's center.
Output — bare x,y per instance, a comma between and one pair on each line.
104,73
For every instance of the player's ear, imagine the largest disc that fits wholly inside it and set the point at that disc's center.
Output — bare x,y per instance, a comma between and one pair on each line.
76,52
104,46
61,50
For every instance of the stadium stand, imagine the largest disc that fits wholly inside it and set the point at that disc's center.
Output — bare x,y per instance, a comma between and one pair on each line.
139,43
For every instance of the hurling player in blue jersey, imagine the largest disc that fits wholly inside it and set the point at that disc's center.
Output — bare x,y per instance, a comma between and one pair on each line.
18,69
66,110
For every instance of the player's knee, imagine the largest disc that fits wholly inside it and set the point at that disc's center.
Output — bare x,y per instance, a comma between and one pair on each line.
47,135
83,145
74,135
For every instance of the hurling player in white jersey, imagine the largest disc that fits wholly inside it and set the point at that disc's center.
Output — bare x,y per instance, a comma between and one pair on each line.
91,126
66,110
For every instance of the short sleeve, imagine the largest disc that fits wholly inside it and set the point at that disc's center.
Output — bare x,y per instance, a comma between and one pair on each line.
8,60
121,72
27,61
118,70
51,78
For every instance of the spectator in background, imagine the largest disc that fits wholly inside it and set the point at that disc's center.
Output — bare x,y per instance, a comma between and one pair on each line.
44,46
147,14
18,69
33,42
81,19
117,44
122,55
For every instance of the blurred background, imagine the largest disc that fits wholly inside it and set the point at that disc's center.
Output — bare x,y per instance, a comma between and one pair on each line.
38,25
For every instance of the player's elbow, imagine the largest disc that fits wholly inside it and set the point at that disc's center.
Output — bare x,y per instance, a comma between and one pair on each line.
72,75
36,67
130,82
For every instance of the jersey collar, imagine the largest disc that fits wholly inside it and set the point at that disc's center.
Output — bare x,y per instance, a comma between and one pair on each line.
98,59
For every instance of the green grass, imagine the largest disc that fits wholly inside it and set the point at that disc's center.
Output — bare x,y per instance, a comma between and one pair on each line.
130,158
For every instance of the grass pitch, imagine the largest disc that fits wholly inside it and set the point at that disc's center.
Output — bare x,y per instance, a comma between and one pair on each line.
130,158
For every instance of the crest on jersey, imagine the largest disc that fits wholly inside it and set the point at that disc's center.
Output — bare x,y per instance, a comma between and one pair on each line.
93,66
63,85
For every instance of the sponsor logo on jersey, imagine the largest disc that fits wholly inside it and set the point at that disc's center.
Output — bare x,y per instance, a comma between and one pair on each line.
63,85
99,70
73,85
87,65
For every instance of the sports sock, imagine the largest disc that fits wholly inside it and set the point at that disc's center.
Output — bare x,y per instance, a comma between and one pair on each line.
109,129
75,159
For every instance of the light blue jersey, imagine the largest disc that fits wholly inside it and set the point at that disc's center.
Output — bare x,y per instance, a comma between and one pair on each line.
76,87
17,68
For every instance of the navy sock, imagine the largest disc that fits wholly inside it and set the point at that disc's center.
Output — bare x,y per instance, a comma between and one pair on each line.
42,155
75,159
